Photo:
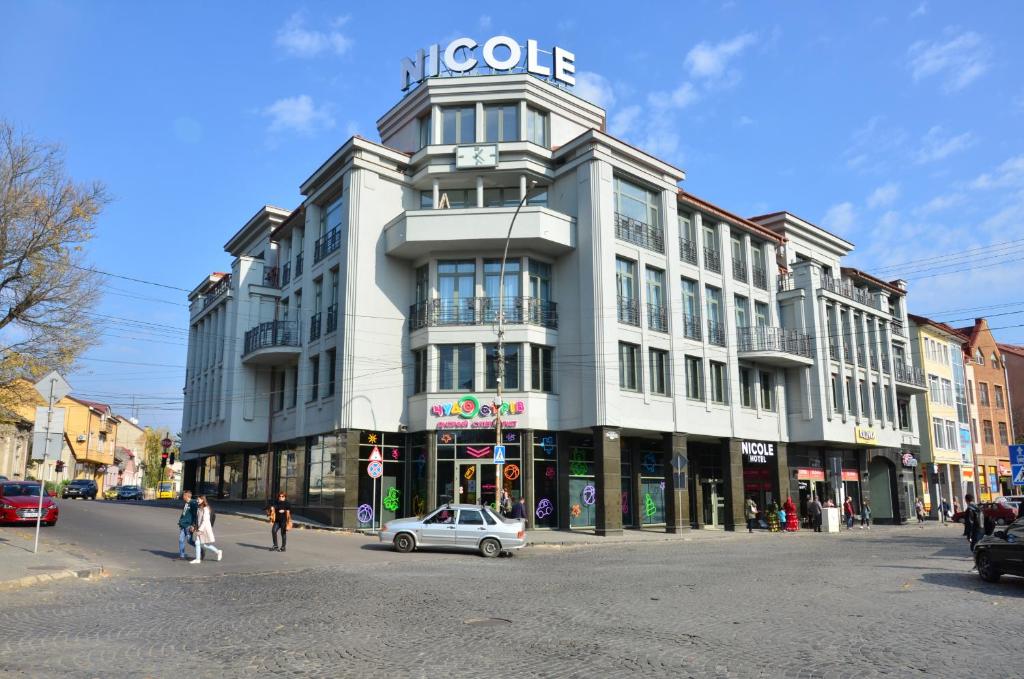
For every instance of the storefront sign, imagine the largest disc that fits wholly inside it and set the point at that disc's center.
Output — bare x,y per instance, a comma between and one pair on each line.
965,445
865,435
967,473
469,406
850,475
810,474
757,452
1004,469
909,460
500,53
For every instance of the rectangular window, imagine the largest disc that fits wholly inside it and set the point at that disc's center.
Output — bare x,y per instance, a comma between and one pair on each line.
541,368
1003,434
458,125
502,122
629,366
851,402
426,130
625,283
998,394
767,391
540,280
294,399
456,289
739,258
537,127
511,367
970,391
742,312
934,394
947,392
886,402
277,379
938,433
419,359
716,326
636,202
835,393
746,388
951,439
694,378
687,238
659,371
974,430
719,385
691,310
314,378
657,316
987,424
863,388
983,393
903,412
332,368
455,367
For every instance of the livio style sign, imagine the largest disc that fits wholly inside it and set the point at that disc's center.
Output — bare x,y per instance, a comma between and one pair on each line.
500,53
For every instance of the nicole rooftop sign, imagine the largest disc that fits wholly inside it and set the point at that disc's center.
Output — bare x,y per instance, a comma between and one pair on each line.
500,54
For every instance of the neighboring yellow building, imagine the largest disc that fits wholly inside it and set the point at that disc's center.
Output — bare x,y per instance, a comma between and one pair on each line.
937,346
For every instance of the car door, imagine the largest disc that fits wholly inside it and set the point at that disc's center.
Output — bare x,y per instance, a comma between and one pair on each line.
470,529
438,529
1012,553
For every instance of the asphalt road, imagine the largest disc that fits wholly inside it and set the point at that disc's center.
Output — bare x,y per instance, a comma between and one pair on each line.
885,603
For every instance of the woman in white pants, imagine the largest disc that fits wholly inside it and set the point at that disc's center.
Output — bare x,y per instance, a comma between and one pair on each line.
204,532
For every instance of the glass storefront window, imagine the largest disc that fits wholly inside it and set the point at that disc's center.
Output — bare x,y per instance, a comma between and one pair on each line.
326,472
626,498
289,478
470,476
256,476
210,481
652,489
582,488
390,495
232,487
545,480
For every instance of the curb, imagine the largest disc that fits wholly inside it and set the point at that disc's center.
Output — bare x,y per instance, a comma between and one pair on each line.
29,580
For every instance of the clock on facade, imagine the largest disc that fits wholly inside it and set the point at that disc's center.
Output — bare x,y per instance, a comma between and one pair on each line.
477,155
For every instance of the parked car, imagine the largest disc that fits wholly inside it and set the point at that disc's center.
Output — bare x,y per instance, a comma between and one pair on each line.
83,488
165,491
1001,553
111,493
457,526
129,493
19,503
1001,512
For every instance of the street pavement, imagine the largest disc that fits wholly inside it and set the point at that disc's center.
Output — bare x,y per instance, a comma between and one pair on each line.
890,602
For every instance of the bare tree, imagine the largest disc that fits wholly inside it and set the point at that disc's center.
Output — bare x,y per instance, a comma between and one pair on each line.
46,290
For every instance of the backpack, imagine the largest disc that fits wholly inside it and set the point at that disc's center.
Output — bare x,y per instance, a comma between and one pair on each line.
213,515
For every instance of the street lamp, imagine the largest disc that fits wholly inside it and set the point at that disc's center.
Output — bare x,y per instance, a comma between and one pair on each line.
500,350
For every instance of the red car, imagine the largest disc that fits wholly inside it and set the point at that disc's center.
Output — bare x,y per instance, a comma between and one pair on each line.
19,503
1002,513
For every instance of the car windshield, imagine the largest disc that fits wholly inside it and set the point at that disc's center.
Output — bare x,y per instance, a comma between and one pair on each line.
165,486
13,489
80,483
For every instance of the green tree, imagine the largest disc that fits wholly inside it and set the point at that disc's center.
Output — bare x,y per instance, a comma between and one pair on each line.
151,456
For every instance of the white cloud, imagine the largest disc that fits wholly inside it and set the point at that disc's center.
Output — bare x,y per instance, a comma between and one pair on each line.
940,203
298,114
839,218
884,195
1009,174
623,122
679,98
710,61
299,41
921,10
874,145
595,88
958,62
937,146
485,22
743,121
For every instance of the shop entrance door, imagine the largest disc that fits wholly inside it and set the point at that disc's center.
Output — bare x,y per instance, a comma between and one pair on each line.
477,482
713,491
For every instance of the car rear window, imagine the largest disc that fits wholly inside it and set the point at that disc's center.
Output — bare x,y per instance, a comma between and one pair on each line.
80,483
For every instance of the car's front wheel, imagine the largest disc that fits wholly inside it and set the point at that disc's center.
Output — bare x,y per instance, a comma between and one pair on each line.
987,569
490,547
404,543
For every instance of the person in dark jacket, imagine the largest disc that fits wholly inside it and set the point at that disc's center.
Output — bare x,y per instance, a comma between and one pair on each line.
519,509
973,521
186,522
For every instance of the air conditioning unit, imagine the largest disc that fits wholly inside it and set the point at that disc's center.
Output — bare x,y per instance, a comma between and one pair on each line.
81,438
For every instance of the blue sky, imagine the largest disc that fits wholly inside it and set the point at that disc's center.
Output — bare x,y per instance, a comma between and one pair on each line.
896,125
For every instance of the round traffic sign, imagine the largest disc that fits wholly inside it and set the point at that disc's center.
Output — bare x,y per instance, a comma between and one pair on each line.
375,469
166,443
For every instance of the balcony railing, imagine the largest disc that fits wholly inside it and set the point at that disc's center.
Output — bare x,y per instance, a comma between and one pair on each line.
850,291
771,338
833,352
222,286
314,326
898,329
784,282
482,311
848,353
298,264
861,358
873,358
332,318
629,311
657,317
326,244
760,277
270,277
692,326
272,334
716,333
687,250
640,233
909,375
286,274
712,260
739,270
885,363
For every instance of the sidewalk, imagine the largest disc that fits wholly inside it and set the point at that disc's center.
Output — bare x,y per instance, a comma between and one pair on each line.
19,567
251,513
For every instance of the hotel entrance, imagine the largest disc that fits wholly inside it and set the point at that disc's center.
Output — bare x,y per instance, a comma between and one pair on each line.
713,492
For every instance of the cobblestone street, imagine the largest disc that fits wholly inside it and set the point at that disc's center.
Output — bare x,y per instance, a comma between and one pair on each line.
890,602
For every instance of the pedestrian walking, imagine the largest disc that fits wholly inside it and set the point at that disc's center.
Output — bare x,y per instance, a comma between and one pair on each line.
280,514
848,512
814,513
186,523
506,503
865,514
945,511
972,521
204,532
519,509
919,508
750,514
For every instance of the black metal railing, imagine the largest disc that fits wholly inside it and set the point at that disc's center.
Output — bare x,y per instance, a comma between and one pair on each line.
687,250
850,291
771,338
833,352
861,358
784,282
760,277
298,264
712,260
640,233
692,326
898,329
222,286
909,375
286,274
271,334
657,317
483,311
332,318
326,244
629,310
885,363
314,326
873,360
716,333
739,270
848,353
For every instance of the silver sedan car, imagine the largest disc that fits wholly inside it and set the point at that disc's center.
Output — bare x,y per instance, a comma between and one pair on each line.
457,526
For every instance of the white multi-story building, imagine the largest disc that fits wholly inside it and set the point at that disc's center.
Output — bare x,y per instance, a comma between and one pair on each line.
642,328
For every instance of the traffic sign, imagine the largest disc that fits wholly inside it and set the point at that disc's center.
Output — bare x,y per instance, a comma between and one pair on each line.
499,454
1017,454
166,442
375,455
679,462
1018,474
375,469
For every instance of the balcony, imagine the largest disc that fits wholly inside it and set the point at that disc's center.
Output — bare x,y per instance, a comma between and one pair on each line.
775,346
850,291
326,244
271,279
332,318
739,270
272,343
629,311
716,333
898,329
784,283
687,251
482,311
217,291
314,326
760,277
909,379
712,260
639,233
692,326
417,233
657,317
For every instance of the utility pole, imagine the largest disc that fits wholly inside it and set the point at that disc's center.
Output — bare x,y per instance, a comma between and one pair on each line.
53,388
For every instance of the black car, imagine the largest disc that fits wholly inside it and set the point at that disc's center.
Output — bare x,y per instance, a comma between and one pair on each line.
83,488
129,493
1001,553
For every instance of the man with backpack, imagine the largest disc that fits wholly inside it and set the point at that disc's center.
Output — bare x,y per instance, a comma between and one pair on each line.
187,522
